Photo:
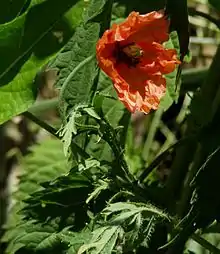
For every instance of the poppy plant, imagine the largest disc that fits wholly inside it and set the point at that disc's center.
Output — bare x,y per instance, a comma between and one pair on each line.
132,55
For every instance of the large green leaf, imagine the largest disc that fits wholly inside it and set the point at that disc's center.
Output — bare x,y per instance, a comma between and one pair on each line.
76,62
20,93
76,88
26,44
62,197
45,162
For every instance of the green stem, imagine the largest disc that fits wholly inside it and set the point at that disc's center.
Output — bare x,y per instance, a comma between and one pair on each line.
110,136
187,188
41,106
201,105
194,12
205,244
164,154
151,134
41,123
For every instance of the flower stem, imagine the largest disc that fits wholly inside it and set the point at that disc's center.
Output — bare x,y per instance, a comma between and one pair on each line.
205,244
152,131
41,123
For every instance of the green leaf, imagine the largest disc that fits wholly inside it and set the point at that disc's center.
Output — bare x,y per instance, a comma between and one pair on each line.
126,226
45,162
18,95
63,197
69,130
76,240
76,62
66,196
172,92
102,242
41,238
78,86
106,103
25,50
19,39
122,207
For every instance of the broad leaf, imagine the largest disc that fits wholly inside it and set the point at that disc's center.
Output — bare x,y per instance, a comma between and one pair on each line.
76,62
45,162
63,197
25,50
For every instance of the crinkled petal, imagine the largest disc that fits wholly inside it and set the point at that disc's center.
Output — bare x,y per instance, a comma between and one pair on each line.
141,86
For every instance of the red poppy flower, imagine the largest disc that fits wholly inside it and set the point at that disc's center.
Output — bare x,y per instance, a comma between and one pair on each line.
133,56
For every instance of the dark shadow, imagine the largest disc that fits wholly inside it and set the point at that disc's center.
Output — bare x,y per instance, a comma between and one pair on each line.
9,10
44,21
142,6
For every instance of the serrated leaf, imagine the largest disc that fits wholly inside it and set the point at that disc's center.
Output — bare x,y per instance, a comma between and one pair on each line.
28,235
125,208
102,185
45,162
113,111
76,240
103,242
63,197
136,219
66,132
91,112
119,206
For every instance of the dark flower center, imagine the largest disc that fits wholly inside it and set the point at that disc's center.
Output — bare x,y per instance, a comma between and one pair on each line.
129,54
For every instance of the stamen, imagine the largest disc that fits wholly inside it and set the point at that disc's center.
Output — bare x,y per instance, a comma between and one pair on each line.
133,51
130,54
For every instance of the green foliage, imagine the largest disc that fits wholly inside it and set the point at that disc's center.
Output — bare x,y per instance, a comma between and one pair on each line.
89,196
127,225
172,93
77,78
25,50
44,163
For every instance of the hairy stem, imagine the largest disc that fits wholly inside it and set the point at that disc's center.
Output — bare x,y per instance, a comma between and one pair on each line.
151,133
202,104
41,123
205,244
